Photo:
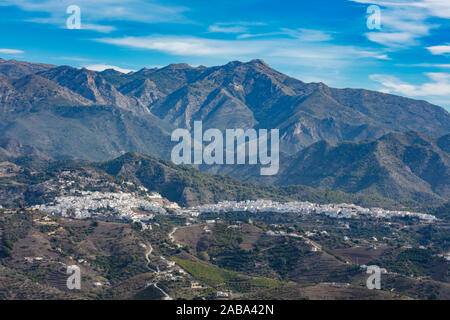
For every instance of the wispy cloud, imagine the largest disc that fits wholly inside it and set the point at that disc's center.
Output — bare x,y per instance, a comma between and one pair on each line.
438,8
394,39
234,27
284,50
78,59
217,28
186,46
249,30
442,49
93,13
11,51
438,86
98,28
302,34
58,21
308,35
404,22
429,65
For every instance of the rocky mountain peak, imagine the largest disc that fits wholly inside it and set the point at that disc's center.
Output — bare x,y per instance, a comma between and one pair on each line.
176,66
259,62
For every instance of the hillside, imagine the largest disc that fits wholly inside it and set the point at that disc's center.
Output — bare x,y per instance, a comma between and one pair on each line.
353,140
30,180
405,167
189,186
235,95
178,253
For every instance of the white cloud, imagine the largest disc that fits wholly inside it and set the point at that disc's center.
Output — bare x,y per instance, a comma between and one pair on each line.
383,57
83,26
93,12
259,35
391,39
227,28
98,28
243,29
186,46
430,65
438,86
302,34
324,54
234,27
11,51
287,50
442,49
437,8
308,35
102,67
404,23
392,84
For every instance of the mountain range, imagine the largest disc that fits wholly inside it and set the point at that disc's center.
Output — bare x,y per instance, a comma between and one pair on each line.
354,140
399,166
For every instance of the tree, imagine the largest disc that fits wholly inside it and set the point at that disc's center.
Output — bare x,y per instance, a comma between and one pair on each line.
204,256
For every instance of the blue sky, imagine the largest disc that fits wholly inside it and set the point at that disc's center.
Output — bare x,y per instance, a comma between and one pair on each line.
322,40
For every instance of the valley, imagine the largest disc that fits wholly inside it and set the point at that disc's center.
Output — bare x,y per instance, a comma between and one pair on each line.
133,243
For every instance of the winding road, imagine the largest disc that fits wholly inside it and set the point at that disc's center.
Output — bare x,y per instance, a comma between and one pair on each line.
171,233
155,284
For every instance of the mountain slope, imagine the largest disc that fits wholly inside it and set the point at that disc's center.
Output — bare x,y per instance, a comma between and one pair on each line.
11,101
236,95
254,95
41,91
66,112
90,133
10,148
404,167
90,85
18,69
189,186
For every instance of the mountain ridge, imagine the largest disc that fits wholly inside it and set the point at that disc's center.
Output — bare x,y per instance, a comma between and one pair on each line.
398,166
65,112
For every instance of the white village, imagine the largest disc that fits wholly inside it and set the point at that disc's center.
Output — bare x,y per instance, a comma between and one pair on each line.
127,206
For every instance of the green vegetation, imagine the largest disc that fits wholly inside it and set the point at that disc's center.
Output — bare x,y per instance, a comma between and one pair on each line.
284,256
414,261
13,227
218,277
176,181
149,293
213,276
5,248
48,228
118,266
